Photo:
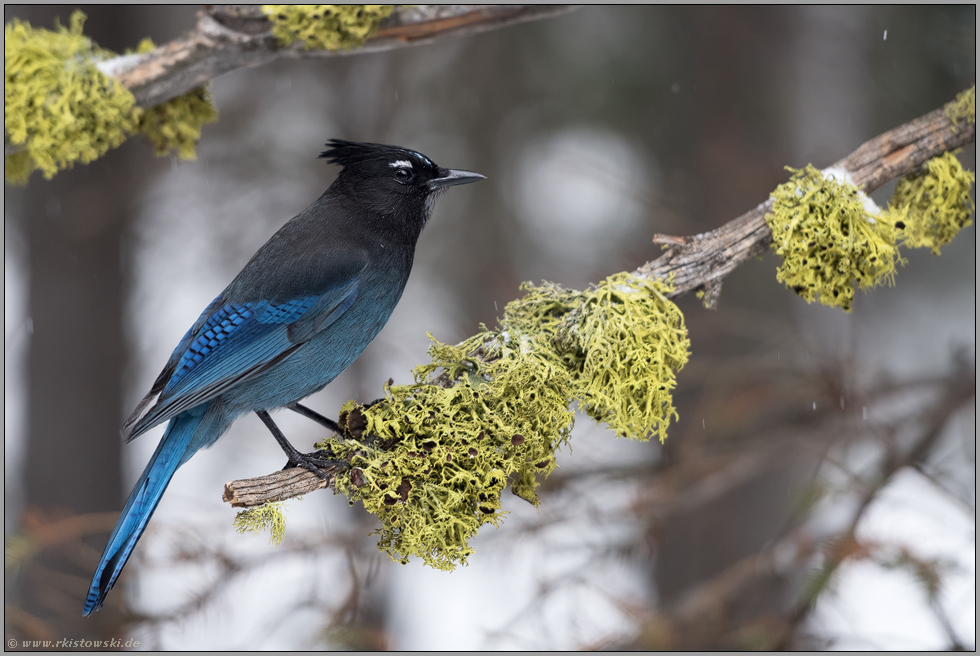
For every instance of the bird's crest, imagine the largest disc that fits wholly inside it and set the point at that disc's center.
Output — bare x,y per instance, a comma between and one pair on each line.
350,153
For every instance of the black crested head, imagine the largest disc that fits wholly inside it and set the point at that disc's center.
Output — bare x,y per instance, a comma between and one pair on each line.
391,179
355,153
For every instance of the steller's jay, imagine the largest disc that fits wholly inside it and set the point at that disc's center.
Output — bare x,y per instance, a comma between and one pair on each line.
300,312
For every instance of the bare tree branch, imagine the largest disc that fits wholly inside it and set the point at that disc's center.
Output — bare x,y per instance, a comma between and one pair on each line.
284,484
703,260
229,37
715,613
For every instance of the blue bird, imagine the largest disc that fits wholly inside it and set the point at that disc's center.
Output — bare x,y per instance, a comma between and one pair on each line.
301,311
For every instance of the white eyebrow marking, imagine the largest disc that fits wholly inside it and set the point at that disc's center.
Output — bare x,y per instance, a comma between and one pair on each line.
404,163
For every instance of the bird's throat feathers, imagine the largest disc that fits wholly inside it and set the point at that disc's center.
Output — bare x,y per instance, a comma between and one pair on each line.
398,218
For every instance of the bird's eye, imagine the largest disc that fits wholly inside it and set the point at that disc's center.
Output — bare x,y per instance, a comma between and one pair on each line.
403,175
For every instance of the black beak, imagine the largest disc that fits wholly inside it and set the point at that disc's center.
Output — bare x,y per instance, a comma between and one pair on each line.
453,177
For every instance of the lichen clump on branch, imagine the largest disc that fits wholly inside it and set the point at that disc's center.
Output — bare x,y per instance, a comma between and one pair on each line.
56,102
432,458
176,124
963,108
62,109
326,27
930,206
829,240
833,238
267,517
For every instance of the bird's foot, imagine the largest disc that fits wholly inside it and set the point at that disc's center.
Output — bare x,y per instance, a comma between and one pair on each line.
315,462
311,462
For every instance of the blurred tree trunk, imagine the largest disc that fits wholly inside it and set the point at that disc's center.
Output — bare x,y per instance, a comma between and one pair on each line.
74,226
749,509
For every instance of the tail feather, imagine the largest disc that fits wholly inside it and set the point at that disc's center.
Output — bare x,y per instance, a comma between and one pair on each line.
170,454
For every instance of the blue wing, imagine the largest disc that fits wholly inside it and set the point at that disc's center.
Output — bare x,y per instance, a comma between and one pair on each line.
234,341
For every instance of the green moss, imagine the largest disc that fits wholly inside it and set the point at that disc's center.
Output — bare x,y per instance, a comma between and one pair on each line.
933,204
267,517
964,107
432,459
827,239
176,124
56,102
326,27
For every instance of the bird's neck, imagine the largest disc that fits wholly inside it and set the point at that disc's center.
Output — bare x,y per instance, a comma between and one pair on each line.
395,225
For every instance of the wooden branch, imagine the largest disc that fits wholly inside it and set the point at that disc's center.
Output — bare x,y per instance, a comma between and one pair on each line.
282,485
229,37
703,260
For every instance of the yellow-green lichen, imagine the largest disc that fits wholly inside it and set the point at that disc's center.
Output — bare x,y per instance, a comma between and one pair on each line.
176,124
442,455
933,204
267,517
61,109
828,240
17,167
964,107
432,458
622,342
326,27
145,46
57,104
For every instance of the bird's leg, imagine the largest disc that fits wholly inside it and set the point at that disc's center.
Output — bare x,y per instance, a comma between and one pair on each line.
325,421
317,417
308,461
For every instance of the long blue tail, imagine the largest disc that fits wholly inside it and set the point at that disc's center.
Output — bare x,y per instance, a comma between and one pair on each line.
170,454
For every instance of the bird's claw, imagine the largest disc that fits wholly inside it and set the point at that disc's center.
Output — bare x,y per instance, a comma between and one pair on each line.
314,463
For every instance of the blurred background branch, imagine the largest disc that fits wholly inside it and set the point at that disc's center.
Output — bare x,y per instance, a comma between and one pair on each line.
734,609
229,37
